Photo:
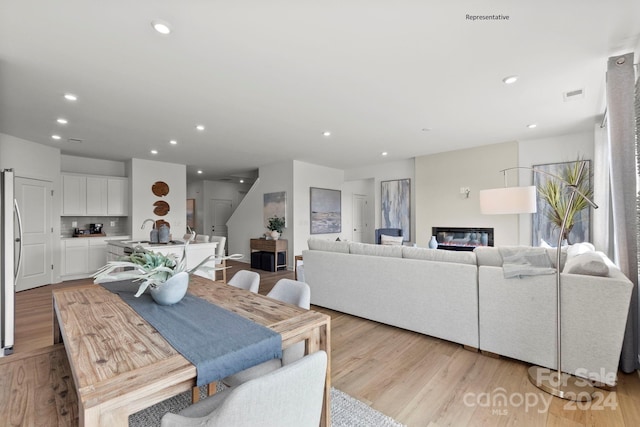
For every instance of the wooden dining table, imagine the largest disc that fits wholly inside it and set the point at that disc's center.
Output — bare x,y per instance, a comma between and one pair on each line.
122,365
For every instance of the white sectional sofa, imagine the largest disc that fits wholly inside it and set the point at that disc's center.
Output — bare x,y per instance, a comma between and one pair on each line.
427,291
464,297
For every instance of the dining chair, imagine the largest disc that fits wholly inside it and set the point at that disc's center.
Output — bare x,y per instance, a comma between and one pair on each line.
291,396
246,279
292,292
220,254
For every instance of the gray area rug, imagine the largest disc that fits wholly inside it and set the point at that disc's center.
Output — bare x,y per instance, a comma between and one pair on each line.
345,411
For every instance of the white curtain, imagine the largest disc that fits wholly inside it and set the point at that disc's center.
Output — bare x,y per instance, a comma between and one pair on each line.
623,174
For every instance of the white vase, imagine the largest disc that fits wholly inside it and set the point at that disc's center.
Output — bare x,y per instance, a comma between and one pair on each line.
171,291
275,235
433,243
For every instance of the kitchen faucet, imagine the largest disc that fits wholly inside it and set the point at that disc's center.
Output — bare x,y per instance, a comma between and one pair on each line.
145,221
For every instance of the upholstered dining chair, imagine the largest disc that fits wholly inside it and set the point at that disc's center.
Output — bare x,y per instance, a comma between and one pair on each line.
292,292
246,279
287,397
220,253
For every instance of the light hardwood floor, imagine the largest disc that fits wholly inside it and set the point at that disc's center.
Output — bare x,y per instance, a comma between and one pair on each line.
416,379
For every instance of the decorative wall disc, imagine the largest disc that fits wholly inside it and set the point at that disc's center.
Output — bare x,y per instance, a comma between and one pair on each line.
161,208
160,188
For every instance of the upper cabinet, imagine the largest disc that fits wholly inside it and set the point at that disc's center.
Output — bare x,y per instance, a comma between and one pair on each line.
89,195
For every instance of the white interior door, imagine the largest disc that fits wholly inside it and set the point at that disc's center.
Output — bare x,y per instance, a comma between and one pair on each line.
34,200
219,213
359,219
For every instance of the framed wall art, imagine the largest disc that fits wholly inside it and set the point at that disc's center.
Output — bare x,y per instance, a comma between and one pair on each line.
275,204
326,211
544,229
396,206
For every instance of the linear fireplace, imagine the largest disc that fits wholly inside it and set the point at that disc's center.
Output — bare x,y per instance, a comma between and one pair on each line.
462,238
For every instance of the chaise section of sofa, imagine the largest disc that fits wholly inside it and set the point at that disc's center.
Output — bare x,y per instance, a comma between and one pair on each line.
518,316
423,290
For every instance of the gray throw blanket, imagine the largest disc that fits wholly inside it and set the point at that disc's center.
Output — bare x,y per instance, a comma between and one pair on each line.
519,262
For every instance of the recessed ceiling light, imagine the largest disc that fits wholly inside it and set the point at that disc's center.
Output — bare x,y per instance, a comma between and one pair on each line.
384,153
200,127
242,181
70,97
199,171
173,142
154,151
326,133
532,126
510,80
56,137
62,121
161,27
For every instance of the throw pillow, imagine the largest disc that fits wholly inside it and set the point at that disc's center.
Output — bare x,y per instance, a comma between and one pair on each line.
391,240
589,263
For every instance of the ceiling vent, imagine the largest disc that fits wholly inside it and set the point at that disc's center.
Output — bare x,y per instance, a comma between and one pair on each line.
573,95
75,140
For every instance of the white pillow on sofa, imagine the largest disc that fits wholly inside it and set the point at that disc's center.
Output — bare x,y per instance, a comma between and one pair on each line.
589,263
391,240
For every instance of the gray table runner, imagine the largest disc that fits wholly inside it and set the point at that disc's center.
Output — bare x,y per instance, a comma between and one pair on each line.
218,342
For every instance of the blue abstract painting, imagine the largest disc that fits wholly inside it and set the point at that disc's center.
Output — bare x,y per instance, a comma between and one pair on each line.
326,211
396,206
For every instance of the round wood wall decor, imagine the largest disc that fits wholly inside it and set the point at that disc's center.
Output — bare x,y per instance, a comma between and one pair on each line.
161,208
160,188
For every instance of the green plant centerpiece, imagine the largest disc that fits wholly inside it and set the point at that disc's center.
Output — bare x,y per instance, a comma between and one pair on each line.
165,275
557,198
276,225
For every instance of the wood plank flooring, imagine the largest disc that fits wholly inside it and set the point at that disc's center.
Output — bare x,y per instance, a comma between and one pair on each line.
416,379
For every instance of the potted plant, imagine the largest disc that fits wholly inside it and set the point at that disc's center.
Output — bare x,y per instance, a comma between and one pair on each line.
165,275
557,198
276,225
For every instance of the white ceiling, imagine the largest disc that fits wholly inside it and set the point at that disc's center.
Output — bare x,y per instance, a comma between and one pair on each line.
266,78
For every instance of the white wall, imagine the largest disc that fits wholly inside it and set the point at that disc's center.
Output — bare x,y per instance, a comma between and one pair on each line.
307,175
563,148
31,160
400,169
195,190
89,166
247,221
143,174
438,199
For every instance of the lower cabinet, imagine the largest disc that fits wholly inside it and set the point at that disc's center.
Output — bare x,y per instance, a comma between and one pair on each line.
83,256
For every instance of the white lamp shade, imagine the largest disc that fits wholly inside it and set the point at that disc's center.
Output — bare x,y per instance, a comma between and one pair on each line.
509,200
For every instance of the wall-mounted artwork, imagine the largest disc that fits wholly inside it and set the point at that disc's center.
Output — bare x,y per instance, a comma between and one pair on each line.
275,204
396,206
326,211
545,229
191,213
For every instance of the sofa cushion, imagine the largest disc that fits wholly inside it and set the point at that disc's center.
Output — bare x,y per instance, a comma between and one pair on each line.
375,250
579,248
462,257
391,240
328,245
589,263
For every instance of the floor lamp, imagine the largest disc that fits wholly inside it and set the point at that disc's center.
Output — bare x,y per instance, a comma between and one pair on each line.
516,200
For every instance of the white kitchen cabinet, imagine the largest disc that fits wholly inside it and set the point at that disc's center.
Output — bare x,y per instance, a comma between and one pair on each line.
117,196
83,256
96,195
74,195
92,195
75,257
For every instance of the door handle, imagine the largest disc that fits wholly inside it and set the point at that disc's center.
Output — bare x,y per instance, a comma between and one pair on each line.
18,239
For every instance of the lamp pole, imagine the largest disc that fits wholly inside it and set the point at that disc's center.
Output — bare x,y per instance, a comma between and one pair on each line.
561,385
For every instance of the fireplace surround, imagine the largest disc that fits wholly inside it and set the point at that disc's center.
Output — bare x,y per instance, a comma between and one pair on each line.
462,238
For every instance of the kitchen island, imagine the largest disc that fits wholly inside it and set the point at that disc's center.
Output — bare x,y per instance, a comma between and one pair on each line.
196,251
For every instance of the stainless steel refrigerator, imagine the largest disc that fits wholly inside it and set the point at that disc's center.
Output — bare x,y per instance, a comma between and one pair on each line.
10,254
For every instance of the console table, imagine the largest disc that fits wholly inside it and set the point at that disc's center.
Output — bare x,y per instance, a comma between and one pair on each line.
275,246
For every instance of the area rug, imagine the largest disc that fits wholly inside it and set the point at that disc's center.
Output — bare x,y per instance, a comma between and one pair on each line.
345,412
